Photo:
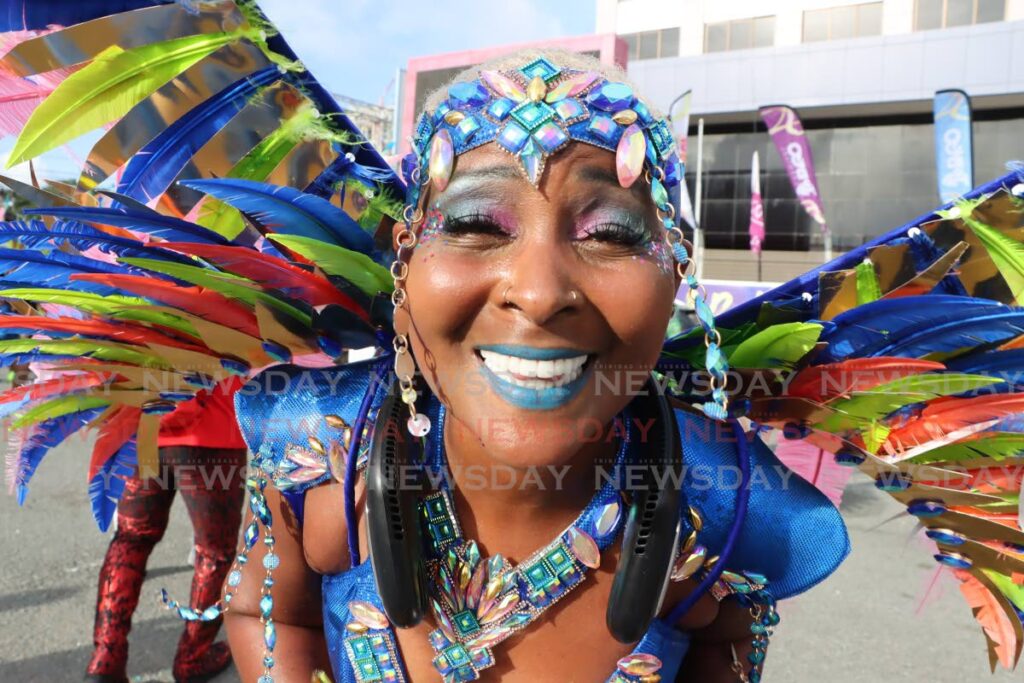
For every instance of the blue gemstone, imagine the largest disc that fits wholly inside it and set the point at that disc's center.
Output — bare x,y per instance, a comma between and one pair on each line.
892,482
268,662
954,561
541,67
235,367
661,136
271,561
471,94
251,535
570,108
550,137
265,678
604,128
176,395
277,351
329,346
643,113
211,613
532,115
270,635
266,605
512,137
926,508
611,97
849,458
500,108
946,536
465,130
673,171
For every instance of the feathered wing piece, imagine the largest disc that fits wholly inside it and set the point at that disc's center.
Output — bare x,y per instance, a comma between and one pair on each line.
205,238
905,358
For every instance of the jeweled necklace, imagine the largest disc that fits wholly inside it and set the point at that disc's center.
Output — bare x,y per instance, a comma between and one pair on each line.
479,602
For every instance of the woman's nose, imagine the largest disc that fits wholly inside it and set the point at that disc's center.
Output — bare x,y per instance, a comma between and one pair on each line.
540,283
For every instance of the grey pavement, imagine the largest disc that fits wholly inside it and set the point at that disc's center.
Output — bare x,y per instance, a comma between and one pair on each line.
866,623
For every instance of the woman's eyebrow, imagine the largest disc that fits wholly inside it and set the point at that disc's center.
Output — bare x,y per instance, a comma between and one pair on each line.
471,178
606,176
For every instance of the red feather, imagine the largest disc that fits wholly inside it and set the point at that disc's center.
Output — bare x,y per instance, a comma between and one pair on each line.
270,271
826,382
945,416
115,432
53,387
205,303
122,332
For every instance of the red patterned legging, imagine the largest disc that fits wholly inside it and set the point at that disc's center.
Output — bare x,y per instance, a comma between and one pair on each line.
211,481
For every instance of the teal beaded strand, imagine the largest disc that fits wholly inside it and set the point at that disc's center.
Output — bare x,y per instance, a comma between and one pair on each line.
255,484
714,360
766,618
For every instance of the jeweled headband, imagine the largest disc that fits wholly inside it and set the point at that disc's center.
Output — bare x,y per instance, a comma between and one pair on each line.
534,111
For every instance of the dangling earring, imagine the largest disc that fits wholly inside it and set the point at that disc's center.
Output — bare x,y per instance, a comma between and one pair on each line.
405,365
714,359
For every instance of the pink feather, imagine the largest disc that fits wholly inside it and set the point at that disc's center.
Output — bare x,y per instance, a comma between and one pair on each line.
20,96
815,465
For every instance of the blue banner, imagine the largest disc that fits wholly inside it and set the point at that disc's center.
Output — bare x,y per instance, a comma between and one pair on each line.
954,158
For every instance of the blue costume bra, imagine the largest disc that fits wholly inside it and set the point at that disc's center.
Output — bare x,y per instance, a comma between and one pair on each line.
792,535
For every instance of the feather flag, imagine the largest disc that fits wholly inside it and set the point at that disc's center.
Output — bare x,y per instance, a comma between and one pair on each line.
756,206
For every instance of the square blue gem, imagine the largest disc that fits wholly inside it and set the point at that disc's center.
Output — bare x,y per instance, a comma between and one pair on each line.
466,623
436,508
539,576
368,671
541,67
604,128
456,655
500,108
662,137
512,137
559,560
532,115
361,648
570,108
464,131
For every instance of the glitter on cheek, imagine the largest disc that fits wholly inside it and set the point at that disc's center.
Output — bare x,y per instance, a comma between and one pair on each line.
433,227
657,250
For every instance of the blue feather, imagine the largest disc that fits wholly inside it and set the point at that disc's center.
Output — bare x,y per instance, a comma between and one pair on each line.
861,331
107,485
344,167
955,335
16,15
152,170
82,237
165,227
288,211
46,435
25,267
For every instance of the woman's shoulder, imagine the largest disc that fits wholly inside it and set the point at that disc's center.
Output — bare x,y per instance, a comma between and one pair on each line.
792,533
300,421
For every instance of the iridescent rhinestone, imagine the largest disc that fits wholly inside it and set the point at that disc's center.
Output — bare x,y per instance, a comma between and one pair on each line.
584,548
367,614
686,567
466,128
946,536
541,68
532,160
630,155
481,658
499,108
468,94
892,482
550,137
639,664
926,508
569,109
658,193
661,136
270,635
234,578
607,518
278,352
573,85
603,127
266,605
512,137
643,113
532,115
251,534
442,159
611,97
503,85
954,560
673,171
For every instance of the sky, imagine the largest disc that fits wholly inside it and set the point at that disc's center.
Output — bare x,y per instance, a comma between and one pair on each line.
354,47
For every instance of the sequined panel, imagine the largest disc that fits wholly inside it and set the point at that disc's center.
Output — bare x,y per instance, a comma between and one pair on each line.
374,657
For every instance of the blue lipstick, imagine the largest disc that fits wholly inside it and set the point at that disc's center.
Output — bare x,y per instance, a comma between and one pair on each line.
532,352
527,398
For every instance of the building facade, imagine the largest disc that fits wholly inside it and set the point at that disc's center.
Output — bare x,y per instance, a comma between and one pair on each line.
862,76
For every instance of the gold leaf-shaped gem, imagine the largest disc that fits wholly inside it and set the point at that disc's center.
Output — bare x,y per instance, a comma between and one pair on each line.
584,548
367,615
316,445
454,117
687,565
688,544
695,519
537,88
624,117
356,627
336,456
336,422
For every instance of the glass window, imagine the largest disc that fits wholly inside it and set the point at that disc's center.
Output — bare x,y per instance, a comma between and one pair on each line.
648,45
764,31
844,22
631,41
669,42
869,20
816,25
741,34
991,10
717,39
929,14
959,12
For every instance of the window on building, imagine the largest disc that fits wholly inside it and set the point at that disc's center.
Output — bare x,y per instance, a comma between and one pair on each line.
652,44
836,23
932,14
739,34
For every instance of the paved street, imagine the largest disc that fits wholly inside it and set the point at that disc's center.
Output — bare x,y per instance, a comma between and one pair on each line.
859,626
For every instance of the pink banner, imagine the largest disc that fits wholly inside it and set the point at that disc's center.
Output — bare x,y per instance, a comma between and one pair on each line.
788,135
756,206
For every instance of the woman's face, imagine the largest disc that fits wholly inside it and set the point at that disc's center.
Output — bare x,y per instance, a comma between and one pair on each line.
535,313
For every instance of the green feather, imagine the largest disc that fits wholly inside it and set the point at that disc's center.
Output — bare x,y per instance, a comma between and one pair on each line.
777,346
359,269
112,306
868,289
57,407
108,88
91,348
997,446
227,284
1013,592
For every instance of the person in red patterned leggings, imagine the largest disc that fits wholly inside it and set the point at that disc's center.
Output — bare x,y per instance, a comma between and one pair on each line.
203,457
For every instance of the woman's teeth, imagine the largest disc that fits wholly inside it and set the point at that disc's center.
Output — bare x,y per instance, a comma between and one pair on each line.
534,374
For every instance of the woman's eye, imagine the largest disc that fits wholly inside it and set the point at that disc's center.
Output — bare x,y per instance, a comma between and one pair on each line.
615,233
478,224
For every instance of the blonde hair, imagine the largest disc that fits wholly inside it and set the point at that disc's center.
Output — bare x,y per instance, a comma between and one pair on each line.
561,58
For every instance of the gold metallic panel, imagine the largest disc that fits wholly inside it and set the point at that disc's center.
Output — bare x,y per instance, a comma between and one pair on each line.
303,164
152,116
83,42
